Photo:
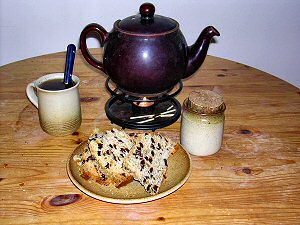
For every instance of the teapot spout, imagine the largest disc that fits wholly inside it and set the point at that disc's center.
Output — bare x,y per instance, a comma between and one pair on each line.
198,51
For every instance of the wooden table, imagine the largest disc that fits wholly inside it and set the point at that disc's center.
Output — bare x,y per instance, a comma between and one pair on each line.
253,179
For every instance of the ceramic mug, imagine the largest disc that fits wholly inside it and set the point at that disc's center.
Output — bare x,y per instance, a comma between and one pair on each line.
59,110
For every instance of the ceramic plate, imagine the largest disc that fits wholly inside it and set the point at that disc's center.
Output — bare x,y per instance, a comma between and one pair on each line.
179,170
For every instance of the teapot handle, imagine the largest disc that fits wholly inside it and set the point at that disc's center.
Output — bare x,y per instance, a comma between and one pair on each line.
93,27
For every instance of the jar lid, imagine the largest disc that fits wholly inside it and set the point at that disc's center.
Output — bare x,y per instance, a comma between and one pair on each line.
205,102
147,22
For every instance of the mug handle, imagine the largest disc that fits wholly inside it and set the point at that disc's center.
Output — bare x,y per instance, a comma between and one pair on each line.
93,27
31,94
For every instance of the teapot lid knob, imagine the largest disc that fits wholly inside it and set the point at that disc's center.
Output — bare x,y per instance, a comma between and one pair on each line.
147,10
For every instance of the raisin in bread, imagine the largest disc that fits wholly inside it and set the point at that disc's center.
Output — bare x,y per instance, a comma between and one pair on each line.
89,168
148,160
110,149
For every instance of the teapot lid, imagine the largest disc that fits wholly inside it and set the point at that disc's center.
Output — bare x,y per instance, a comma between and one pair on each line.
147,23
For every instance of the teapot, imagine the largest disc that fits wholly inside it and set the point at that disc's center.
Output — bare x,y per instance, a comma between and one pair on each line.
147,54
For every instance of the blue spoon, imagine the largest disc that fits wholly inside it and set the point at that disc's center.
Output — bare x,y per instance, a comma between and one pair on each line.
71,50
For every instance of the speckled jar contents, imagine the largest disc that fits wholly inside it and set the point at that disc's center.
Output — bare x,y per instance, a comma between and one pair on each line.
202,123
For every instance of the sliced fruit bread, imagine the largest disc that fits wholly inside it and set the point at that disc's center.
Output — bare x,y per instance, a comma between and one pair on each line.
148,160
110,150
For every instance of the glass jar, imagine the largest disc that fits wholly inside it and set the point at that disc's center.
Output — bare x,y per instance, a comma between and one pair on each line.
202,123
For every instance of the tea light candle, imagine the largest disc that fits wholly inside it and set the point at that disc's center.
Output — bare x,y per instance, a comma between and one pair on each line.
144,103
202,123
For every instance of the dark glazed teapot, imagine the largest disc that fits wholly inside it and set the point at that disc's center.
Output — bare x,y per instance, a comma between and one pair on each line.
146,54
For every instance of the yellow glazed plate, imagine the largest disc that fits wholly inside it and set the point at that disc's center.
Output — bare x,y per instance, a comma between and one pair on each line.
179,170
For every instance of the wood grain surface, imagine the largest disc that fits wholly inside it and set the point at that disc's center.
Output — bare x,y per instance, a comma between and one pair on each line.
253,179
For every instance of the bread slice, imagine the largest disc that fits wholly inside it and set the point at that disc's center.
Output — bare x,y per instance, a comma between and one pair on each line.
110,150
89,168
148,160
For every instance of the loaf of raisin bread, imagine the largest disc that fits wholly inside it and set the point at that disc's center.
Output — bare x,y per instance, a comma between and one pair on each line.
110,149
89,168
147,161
